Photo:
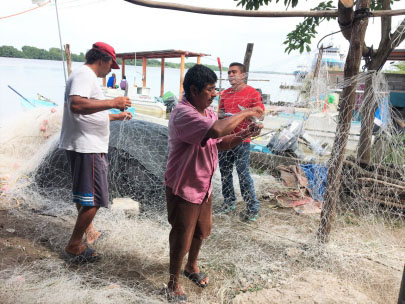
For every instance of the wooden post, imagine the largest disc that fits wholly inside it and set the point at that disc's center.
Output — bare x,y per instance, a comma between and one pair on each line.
346,106
199,60
246,61
144,72
162,77
401,297
68,59
181,76
318,62
123,69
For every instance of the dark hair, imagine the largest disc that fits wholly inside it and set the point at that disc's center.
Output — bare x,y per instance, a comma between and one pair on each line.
199,76
240,65
94,55
124,77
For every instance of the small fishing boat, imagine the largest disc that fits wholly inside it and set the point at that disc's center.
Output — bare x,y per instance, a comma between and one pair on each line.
141,101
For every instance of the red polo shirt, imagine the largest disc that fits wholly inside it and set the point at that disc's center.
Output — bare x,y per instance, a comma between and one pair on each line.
248,97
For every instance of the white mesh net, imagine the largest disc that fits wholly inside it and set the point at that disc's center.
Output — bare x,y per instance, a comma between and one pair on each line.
275,259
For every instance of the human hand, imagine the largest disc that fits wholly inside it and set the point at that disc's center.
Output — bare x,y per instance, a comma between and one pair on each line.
256,112
254,129
121,103
123,116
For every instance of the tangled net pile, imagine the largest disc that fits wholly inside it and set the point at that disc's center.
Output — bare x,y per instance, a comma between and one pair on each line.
274,260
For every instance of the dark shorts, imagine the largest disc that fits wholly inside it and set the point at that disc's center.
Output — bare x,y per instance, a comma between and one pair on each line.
89,175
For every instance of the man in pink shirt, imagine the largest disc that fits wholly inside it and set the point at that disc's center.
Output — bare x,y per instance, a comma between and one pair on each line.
195,136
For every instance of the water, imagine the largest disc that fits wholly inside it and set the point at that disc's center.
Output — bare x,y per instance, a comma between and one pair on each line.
30,77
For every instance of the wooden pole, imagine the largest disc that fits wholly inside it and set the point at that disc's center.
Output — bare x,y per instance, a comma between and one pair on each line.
181,76
68,59
346,106
245,13
144,72
220,73
246,61
401,298
123,69
162,77
318,62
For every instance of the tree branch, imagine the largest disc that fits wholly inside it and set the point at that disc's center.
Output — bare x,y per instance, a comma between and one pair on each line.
385,25
345,20
380,57
243,13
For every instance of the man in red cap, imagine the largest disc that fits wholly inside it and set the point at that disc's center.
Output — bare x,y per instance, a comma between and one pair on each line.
85,137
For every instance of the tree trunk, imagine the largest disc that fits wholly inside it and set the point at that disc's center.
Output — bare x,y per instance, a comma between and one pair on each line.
346,106
367,123
345,19
246,60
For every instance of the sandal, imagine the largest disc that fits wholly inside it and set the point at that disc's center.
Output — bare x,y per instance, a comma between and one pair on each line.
196,278
87,256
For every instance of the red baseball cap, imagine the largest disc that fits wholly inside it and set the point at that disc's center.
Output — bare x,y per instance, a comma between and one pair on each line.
108,50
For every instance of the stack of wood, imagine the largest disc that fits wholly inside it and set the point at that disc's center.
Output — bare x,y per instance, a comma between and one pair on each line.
380,185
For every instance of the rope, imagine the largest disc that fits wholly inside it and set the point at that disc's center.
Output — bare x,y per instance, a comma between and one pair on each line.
31,9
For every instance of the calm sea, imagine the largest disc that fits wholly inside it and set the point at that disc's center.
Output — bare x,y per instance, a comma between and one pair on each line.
30,77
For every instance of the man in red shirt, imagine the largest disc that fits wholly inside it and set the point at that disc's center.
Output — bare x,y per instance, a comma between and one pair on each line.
237,97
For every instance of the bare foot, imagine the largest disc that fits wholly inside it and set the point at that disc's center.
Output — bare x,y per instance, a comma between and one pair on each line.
174,288
92,236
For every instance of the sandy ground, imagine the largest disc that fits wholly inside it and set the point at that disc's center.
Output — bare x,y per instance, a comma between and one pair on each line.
29,238
274,260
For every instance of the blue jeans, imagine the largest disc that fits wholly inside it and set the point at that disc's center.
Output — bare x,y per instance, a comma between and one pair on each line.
240,156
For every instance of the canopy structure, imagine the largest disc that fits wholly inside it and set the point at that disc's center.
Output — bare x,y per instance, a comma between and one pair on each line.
162,55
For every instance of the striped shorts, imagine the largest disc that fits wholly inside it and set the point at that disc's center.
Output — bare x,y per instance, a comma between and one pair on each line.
89,174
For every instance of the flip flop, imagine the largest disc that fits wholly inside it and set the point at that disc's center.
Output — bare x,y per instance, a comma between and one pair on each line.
196,278
87,256
173,298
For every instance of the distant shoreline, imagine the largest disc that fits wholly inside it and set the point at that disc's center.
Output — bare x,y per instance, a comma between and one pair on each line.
31,52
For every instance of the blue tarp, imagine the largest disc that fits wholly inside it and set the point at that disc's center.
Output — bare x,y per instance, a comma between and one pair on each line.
259,148
317,176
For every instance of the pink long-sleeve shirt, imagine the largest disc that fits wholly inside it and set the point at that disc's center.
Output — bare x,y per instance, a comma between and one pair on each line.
192,160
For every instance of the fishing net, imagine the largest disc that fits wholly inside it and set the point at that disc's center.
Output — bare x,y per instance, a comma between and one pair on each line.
275,259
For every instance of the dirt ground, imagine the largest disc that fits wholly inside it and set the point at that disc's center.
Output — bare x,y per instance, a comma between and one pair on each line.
27,236
19,242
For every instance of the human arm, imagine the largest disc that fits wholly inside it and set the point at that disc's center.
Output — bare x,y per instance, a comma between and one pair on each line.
120,116
230,141
81,105
225,126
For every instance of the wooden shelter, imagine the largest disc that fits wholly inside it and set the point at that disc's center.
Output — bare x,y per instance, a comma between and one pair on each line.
397,55
162,55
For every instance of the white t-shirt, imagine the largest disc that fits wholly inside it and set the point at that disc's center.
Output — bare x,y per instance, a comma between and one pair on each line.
84,133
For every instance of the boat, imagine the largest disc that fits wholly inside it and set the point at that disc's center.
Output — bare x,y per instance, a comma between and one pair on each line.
332,57
141,101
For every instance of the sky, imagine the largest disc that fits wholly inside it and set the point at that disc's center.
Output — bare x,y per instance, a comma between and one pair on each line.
128,28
